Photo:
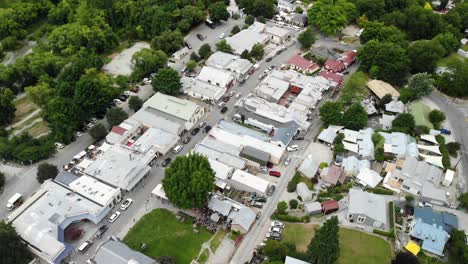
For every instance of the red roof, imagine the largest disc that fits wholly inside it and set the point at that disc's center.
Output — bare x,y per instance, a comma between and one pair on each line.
334,65
331,76
302,63
119,130
348,57
330,205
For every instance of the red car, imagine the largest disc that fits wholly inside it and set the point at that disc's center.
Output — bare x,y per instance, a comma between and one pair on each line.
275,173
226,99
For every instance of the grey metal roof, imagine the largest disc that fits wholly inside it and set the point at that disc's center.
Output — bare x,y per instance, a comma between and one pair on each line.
255,153
369,204
241,130
309,167
303,191
286,133
314,207
65,177
116,252
220,206
243,217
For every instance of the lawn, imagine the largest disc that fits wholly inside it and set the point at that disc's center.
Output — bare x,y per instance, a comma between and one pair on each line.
217,239
449,59
24,107
299,234
361,248
420,111
164,235
203,256
307,182
38,129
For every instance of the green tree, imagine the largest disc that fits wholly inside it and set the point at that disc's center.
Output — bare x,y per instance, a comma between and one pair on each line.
325,247
7,106
235,29
249,20
355,117
371,9
281,207
194,56
380,32
98,132
275,250
421,84
299,10
2,180
452,148
464,200
409,199
135,103
454,81
116,116
385,100
147,61
331,15
245,55
436,117
354,88
331,113
46,171
257,51
458,248
218,11
307,38
12,248
257,8
293,203
423,55
448,41
223,46
405,258
61,116
167,81
191,65
188,181
205,51
384,60
404,122
40,93
168,41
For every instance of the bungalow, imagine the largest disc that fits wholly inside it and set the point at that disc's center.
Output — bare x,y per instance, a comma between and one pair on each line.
330,206
348,58
333,175
367,209
334,65
368,177
433,237
332,76
301,64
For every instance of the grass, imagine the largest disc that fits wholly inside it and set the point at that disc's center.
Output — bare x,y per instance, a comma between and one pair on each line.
24,107
420,111
361,248
204,256
38,129
351,40
217,239
164,235
299,234
307,182
26,123
444,62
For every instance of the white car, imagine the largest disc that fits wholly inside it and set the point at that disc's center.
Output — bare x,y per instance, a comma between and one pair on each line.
177,149
277,224
126,204
117,101
90,125
93,120
128,93
114,216
292,148
59,145
276,229
78,134
287,161
238,95
222,36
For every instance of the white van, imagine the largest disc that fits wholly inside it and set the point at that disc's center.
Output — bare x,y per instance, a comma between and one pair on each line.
221,105
85,246
177,149
14,201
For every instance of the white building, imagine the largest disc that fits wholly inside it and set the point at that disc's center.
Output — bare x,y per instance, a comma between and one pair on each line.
216,76
277,35
247,38
272,89
368,177
286,6
245,181
238,67
125,130
202,90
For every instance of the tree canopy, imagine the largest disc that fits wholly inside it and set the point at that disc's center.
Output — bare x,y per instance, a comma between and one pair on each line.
2,180
331,113
436,117
98,132
307,38
330,16
135,103
325,247
12,248
204,51
458,248
423,55
147,61
188,181
223,46
115,116
46,171
421,84
258,8
355,117
7,106
167,81
404,122
168,41
453,82
218,11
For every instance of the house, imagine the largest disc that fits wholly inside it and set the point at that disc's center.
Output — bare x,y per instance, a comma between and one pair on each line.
216,76
283,135
219,155
433,237
116,252
300,20
272,88
353,165
309,167
247,38
380,89
304,192
286,6
368,177
291,260
245,181
255,155
333,175
429,216
301,64
125,130
359,142
399,145
329,134
395,107
312,208
240,216
277,35
203,90
333,65
333,76
222,173
242,219
150,117
237,66
348,58
386,121
330,206
368,209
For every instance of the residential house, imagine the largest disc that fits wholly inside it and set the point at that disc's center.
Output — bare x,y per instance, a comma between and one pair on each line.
216,76
395,107
380,89
329,134
368,209
312,208
430,216
203,90
369,178
386,121
330,206
247,38
432,237
399,145
353,165
301,64
333,175
304,192
348,58
277,35
334,65
309,167
333,76
238,67
291,260
116,252
286,6
359,142
245,181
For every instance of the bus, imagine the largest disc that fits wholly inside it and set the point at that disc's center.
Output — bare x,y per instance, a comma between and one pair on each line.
210,23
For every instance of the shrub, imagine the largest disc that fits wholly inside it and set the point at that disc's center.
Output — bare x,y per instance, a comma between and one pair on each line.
323,165
382,191
452,148
390,234
436,117
293,182
293,203
282,207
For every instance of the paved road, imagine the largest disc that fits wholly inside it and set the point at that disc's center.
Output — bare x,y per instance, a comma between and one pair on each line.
457,115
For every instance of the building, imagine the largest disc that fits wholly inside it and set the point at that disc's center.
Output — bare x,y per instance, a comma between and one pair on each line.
240,216
304,192
329,134
301,64
242,219
150,117
429,216
368,209
255,155
202,90
433,237
247,38
337,78
359,142
369,178
42,219
115,252
272,89
312,208
334,65
125,130
277,35
245,181
216,76
448,179
309,167
381,88
291,260
353,165
237,66
348,58
222,173
175,109
395,107
218,155
333,175
286,6
330,206
399,145
282,136
386,121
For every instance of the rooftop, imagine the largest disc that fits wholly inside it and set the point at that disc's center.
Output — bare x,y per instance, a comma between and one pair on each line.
331,76
94,190
399,144
309,167
429,216
303,63
174,106
229,62
277,31
334,174
215,76
329,134
395,107
202,89
226,158
368,177
150,117
250,180
369,204
245,39
381,88
434,237
116,252
155,139
221,170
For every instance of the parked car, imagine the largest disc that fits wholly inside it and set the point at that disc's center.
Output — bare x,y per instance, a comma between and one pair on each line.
202,124
287,161
241,82
222,35
278,223
186,140
257,205
445,131
195,131
269,59
258,215
221,105
59,145
126,204
90,125
114,216
261,199
117,101
200,36
101,231
275,173
271,190
166,162
93,120
226,99
78,134
123,98
177,149
276,229
85,246
224,110
298,137
275,236
187,45
206,129
264,169
292,148
135,89
263,75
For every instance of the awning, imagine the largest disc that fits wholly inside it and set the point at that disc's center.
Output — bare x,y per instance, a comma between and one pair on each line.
159,191
413,247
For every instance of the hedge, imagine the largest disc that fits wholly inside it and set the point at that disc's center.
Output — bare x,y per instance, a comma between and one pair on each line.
290,218
390,234
380,190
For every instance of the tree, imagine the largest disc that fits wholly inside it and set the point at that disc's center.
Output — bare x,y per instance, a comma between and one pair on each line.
166,81
384,60
404,122
2,180
380,32
293,203
46,171
464,200
421,84
12,248
436,117
204,51
452,148
218,11
324,247
355,117
168,41
405,258
191,65
458,248
385,100
265,8
98,132
275,250
299,10
194,56
40,93
245,55
257,51
116,116
423,55
453,82
448,41
331,113
235,29
307,38
223,46
281,207
188,181
135,103
7,106
409,199
331,15
249,20
370,9
147,61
